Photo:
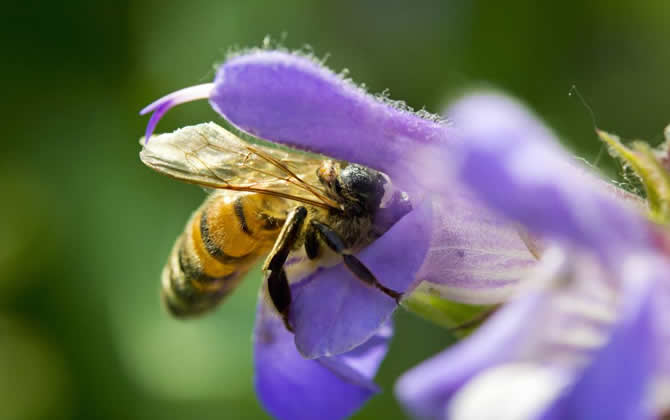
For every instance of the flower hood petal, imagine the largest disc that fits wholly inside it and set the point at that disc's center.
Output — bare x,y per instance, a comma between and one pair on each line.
294,100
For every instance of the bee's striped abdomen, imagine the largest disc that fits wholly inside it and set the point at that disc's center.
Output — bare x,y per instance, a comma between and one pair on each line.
221,241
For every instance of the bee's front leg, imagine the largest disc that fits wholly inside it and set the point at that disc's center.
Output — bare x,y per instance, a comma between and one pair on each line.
334,242
275,276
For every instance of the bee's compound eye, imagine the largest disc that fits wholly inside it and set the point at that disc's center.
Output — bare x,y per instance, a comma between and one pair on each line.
360,179
365,184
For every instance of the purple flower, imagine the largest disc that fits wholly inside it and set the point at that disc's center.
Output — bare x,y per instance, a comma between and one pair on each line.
446,245
590,338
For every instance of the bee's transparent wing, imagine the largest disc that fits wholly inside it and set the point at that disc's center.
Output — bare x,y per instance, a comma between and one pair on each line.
208,155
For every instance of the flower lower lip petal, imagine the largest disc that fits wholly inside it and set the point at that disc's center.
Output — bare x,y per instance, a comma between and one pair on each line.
514,391
426,389
333,312
292,387
616,383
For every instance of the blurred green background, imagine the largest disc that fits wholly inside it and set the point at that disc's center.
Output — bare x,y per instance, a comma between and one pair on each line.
86,228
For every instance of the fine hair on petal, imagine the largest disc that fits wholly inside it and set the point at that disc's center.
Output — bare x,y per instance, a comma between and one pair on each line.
307,52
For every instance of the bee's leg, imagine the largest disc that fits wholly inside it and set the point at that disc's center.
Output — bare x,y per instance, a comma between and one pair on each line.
278,287
311,244
334,242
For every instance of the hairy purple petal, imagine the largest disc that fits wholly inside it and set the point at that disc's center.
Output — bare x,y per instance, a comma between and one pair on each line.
333,312
475,256
293,100
160,106
516,167
292,387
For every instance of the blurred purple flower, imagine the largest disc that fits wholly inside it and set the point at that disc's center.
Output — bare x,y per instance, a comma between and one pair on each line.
590,338
458,249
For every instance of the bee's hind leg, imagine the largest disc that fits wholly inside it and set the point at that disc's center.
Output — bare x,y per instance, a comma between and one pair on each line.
275,276
334,242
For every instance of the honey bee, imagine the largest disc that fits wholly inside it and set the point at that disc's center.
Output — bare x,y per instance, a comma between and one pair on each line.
266,201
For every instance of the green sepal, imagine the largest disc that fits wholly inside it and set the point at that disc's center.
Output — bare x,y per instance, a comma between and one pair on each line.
459,318
646,165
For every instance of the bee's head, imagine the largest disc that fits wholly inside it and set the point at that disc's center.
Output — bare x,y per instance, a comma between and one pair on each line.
357,188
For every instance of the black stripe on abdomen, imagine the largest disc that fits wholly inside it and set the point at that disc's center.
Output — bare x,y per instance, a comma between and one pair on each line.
191,270
183,297
239,212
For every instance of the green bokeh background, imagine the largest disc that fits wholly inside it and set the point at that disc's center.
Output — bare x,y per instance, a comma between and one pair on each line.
85,228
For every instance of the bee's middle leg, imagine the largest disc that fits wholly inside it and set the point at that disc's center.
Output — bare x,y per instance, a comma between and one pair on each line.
275,276
334,242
